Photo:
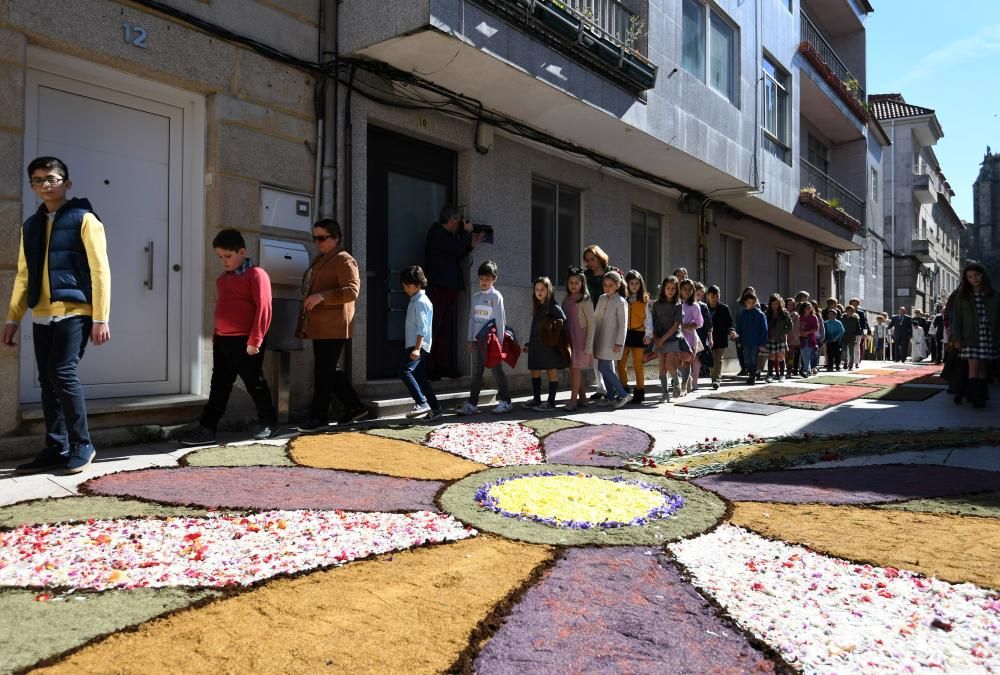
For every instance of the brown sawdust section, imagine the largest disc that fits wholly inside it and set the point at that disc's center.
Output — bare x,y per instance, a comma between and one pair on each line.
952,548
410,612
374,454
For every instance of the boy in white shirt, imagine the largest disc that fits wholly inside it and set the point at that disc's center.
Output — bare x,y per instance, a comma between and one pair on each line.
487,306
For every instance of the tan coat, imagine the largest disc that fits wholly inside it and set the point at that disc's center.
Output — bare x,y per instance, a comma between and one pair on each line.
335,275
585,313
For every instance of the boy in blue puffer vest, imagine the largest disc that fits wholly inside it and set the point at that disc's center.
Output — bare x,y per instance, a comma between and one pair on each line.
64,278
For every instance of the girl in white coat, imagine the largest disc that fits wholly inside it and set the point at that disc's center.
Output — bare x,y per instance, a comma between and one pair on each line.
610,325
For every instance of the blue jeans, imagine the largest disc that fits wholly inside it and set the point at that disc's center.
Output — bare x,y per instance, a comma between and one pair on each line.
414,376
806,358
58,349
612,384
815,357
750,359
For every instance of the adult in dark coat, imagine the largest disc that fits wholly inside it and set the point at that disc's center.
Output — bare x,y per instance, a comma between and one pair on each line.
448,242
901,329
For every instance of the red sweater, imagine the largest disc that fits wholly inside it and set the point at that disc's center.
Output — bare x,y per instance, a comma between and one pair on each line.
243,305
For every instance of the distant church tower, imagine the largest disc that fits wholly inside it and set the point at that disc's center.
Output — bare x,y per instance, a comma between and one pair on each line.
982,240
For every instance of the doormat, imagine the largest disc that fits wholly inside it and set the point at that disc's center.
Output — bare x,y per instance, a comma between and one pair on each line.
903,393
884,380
757,394
930,379
826,397
733,406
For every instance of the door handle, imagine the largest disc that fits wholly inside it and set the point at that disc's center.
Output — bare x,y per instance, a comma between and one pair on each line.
149,266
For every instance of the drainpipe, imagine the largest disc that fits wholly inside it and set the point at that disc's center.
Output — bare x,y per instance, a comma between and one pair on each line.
892,216
326,198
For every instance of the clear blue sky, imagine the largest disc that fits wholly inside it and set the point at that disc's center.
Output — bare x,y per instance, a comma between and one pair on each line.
945,56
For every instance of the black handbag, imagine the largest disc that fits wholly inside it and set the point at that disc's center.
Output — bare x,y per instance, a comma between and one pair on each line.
683,343
634,338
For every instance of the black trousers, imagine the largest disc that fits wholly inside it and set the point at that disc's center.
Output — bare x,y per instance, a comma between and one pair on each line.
900,349
833,350
229,361
443,361
328,382
59,347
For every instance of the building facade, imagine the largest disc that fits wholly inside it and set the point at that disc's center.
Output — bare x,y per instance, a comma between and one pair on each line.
731,138
981,241
923,259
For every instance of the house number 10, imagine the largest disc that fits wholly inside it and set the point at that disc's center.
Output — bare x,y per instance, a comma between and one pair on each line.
135,35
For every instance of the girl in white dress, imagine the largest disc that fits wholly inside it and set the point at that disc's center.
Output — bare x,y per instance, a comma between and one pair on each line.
918,344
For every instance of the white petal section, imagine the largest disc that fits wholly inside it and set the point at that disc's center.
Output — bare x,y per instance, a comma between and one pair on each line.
210,552
827,615
490,443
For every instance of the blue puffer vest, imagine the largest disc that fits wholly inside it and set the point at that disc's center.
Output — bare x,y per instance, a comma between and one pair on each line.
69,271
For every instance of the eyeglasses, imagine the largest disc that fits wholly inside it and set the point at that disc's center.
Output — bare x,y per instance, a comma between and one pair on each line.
48,180
321,237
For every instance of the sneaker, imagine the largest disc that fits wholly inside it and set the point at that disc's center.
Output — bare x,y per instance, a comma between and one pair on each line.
582,404
605,402
502,408
80,458
715,384
200,435
468,409
544,406
622,401
313,425
665,395
597,396
742,373
677,390
570,407
768,380
530,405
264,432
781,378
355,416
433,414
418,409
48,460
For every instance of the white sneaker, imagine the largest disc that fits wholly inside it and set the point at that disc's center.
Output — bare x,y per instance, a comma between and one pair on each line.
418,409
623,401
767,379
543,407
468,409
503,407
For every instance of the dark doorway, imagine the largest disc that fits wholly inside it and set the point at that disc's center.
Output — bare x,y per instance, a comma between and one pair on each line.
408,183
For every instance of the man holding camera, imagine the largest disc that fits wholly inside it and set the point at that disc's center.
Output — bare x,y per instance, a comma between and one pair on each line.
449,241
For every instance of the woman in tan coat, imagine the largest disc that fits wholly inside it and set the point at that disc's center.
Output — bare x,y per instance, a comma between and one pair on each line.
330,286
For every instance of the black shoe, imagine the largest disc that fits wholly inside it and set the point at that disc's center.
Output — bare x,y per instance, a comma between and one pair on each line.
638,396
264,432
80,458
47,461
200,435
313,425
354,416
596,396
742,373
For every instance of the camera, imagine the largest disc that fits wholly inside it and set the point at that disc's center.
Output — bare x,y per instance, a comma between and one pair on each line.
486,230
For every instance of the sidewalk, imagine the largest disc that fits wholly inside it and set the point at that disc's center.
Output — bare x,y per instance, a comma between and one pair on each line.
670,425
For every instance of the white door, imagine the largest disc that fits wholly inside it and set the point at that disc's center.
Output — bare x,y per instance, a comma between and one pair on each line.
124,154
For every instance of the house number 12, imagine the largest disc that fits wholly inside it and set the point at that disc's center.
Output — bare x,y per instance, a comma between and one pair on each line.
135,35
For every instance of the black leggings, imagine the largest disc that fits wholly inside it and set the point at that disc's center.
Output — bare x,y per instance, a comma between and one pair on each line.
328,382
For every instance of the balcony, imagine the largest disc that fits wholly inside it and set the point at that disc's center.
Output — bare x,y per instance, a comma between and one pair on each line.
922,251
924,188
601,34
830,199
817,50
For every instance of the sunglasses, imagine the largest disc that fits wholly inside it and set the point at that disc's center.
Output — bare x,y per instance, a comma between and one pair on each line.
322,237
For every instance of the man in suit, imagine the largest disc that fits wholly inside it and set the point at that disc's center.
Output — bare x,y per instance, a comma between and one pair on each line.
901,329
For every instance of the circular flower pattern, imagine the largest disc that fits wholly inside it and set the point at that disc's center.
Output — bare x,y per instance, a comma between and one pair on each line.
578,500
490,443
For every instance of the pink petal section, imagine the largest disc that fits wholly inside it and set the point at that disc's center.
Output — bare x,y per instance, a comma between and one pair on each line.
490,443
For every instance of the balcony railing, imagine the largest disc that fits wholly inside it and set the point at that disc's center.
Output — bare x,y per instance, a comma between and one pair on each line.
600,33
812,35
835,195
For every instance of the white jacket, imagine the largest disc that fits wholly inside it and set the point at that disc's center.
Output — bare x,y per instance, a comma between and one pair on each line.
610,324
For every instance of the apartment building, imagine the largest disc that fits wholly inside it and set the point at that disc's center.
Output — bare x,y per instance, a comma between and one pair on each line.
729,137
923,259
981,240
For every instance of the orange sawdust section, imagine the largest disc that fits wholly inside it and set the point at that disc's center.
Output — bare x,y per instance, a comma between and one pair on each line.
412,612
953,548
388,456
776,451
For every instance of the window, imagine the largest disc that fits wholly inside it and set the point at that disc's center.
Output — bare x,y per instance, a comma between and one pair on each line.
818,153
556,216
873,258
708,39
784,281
775,113
874,184
732,268
922,233
647,246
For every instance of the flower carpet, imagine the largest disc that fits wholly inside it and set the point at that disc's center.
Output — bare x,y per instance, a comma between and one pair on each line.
495,547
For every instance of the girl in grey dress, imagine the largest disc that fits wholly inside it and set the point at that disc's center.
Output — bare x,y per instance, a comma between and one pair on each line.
666,323
540,355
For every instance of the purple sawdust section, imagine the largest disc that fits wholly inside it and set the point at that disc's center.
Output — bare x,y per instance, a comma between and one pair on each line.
623,610
270,487
574,446
850,485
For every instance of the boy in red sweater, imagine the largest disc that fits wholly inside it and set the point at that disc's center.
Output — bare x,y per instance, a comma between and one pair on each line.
242,317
